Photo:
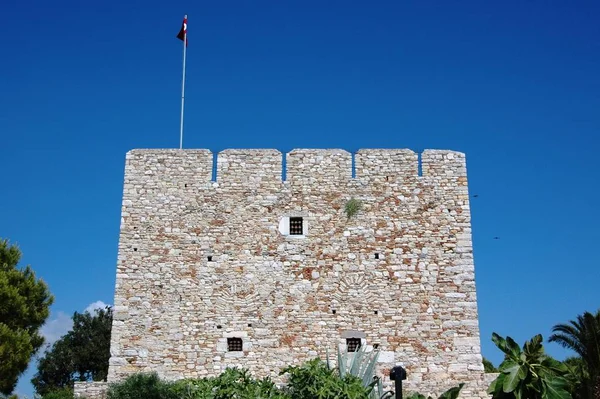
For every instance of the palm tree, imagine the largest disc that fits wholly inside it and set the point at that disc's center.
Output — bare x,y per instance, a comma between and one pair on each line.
583,337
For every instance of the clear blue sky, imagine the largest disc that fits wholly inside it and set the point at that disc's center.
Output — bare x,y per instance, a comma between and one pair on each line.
515,85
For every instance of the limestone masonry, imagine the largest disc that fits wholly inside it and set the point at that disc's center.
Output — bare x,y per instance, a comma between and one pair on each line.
258,272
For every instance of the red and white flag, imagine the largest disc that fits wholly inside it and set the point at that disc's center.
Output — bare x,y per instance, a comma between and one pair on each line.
182,35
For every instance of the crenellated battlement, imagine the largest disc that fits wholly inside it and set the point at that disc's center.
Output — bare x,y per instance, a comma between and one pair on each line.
253,168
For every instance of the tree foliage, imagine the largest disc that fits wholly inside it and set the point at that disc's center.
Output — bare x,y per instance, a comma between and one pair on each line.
528,373
583,337
24,307
81,355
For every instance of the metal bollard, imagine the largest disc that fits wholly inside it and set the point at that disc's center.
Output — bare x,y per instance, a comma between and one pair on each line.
398,374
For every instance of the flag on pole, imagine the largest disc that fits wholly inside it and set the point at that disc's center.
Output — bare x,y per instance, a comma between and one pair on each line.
182,35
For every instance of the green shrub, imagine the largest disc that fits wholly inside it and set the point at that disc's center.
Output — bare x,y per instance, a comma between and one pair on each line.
231,384
142,386
314,379
64,393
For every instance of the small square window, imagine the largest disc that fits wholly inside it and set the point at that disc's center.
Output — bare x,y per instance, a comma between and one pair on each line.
234,344
376,255
296,226
352,344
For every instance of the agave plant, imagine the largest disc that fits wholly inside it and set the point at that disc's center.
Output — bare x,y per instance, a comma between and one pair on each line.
361,364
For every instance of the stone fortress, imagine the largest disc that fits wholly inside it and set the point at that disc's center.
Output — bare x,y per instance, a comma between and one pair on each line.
262,268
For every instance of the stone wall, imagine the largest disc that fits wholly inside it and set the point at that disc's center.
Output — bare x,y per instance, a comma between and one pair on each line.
201,261
90,390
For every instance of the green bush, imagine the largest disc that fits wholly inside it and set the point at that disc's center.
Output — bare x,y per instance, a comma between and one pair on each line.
314,379
142,386
231,384
64,393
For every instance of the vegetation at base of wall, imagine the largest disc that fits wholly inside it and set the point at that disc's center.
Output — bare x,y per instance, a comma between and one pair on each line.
232,383
353,206
451,393
24,308
361,364
313,379
143,386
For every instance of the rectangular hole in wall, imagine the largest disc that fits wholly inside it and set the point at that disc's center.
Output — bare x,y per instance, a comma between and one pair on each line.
209,257
296,228
376,255
352,344
234,344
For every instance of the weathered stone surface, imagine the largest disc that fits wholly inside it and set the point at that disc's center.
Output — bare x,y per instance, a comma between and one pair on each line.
201,261
91,390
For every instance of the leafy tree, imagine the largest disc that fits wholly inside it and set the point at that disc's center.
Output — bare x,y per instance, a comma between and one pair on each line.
81,355
488,366
24,307
578,378
583,337
528,373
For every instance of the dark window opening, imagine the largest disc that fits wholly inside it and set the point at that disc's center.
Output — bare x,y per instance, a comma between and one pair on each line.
296,226
376,312
218,327
333,311
352,344
376,255
185,185
134,249
249,324
375,346
209,258
234,344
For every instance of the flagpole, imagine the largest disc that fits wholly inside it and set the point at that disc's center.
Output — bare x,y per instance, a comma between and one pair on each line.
183,87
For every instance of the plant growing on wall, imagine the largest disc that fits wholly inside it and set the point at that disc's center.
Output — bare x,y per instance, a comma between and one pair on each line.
353,206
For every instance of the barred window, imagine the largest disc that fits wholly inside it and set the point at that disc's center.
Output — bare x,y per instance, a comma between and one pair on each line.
352,344
296,226
234,344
